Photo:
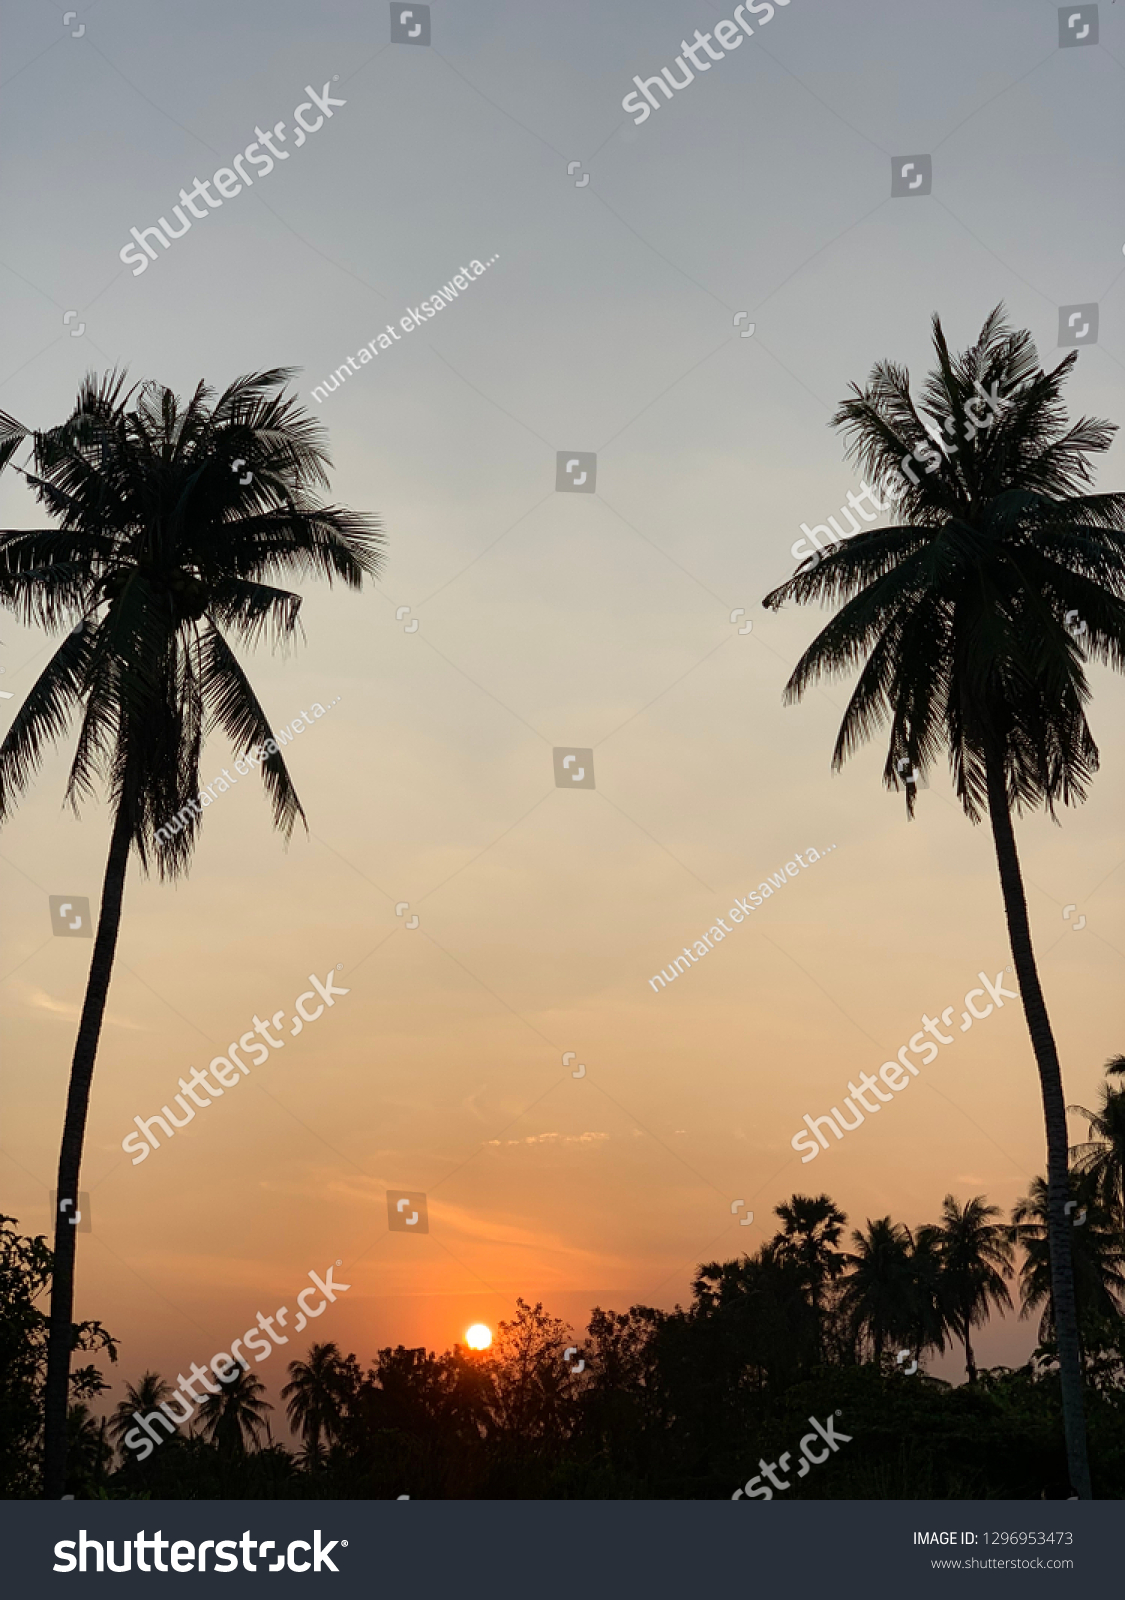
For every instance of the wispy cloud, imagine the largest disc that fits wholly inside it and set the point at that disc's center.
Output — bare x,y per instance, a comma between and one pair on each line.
552,1138
40,1000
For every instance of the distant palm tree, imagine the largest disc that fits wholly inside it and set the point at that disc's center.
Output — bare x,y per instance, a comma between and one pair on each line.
164,547
1103,1159
975,1257
315,1398
236,1416
965,617
88,1451
813,1225
763,1303
1099,1262
930,1323
878,1294
146,1397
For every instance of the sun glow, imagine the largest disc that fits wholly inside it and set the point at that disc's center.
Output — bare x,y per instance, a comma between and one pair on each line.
478,1337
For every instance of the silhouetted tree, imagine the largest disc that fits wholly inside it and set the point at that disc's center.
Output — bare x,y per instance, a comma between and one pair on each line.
236,1416
879,1294
813,1226
762,1303
975,1257
958,618
625,1404
315,1397
929,1314
1102,1157
161,556
1099,1261
533,1395
26,1265
146,1396
88,1450
679,1404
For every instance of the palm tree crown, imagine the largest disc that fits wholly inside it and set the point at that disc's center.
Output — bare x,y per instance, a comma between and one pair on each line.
314,1396
812,1229
143,1397
162,557
879,1294
236,1416
964,611
1102,1159
975,1257
1099,1261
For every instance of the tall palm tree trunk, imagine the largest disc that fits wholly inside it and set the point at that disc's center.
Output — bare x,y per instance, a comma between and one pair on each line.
1054,1115
817,1319
60,1337
970,1363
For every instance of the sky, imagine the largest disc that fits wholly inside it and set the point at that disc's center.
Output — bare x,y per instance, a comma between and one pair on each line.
687,298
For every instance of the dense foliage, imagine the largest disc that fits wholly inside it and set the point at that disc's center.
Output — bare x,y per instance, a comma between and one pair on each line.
820,1321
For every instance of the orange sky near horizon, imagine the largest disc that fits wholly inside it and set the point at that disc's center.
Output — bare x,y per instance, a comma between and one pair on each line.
441,1069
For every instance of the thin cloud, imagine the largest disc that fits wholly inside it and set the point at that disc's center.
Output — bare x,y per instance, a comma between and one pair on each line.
40,1000
552,1138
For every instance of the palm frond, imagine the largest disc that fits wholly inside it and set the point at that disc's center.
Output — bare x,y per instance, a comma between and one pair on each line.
236,709
43,718
970,621
177,523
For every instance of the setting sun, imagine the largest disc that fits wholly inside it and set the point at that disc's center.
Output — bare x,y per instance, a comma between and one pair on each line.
478,1337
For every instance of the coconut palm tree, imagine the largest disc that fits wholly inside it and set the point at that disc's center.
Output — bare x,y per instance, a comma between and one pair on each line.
88,1451
165,552
1098,1254
236,1416
975,1257
931,1322
1103,1159
879,1295
315,1398
760,1310
145,1397
965,617
813,1225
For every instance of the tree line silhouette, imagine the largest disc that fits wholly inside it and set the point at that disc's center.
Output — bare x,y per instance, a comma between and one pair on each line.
661,1404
